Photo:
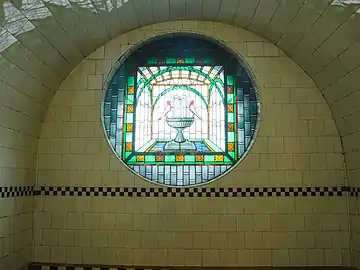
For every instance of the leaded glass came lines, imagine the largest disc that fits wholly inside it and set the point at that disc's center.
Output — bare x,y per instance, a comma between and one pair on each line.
180,121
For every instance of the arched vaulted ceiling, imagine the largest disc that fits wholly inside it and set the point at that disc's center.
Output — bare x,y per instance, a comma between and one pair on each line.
42,41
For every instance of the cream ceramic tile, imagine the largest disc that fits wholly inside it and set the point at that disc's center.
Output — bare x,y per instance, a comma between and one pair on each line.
50,237
280,257
42,253
206,225
315,257
262,257
66,238
82,238
210,257
75,221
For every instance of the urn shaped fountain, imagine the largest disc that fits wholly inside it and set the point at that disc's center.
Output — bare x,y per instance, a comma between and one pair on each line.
180,118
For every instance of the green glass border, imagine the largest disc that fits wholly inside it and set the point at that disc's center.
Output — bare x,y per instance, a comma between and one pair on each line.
230,157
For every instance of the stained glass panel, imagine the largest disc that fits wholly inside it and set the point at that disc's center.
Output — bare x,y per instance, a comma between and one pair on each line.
180,121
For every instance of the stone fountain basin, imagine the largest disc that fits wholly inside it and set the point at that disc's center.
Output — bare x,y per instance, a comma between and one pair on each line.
180,122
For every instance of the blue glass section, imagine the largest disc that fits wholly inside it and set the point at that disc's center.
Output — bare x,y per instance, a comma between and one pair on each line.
241,122
180,173
107,108
246,88
121,95
252,94
205,174
241,148
120,110
247,115
113,116
154,172
240,107
119,134
148,171
245,120
241,134
246,101
201,147
247,129
114,80
211,171
119,123
198,175
118,148
167,174
114,102
112,129
247,141
240,94
161,172
253,121
159,147
253,107
142,171
192,173
217,171
107,123
112,141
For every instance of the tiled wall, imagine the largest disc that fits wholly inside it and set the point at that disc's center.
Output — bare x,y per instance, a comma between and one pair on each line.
354,204
297,146
16,222
20,110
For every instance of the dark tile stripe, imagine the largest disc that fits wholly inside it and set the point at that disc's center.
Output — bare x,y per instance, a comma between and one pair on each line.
39,266
16,191
20,191
193,192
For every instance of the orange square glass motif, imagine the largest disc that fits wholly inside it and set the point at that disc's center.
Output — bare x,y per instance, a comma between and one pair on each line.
231,146
219,158
128,146
230,126
179,158
130,108
131,90
140,158
129,127
230,89
199,158
160,158
230,107
180,61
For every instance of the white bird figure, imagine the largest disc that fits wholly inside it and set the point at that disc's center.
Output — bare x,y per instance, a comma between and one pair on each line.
193,110
168,108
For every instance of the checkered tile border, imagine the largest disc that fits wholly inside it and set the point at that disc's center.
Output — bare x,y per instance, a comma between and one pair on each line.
58,267
193,192
354,191
16,191
21,191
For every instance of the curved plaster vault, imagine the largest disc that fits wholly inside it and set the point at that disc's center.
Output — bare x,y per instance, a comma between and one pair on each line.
42,41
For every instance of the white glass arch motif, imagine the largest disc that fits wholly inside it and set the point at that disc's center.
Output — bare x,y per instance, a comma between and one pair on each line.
180,110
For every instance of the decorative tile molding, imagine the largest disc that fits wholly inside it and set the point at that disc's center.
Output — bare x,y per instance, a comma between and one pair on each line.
194,192
39,266
22,191
354,191
16,191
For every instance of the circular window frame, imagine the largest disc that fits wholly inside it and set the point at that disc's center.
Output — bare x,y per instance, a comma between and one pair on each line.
221,44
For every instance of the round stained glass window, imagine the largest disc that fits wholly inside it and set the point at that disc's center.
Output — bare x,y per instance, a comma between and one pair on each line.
180,110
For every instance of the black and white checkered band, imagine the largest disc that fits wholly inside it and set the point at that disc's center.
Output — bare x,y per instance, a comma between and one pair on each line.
16,191
193,192
21,191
